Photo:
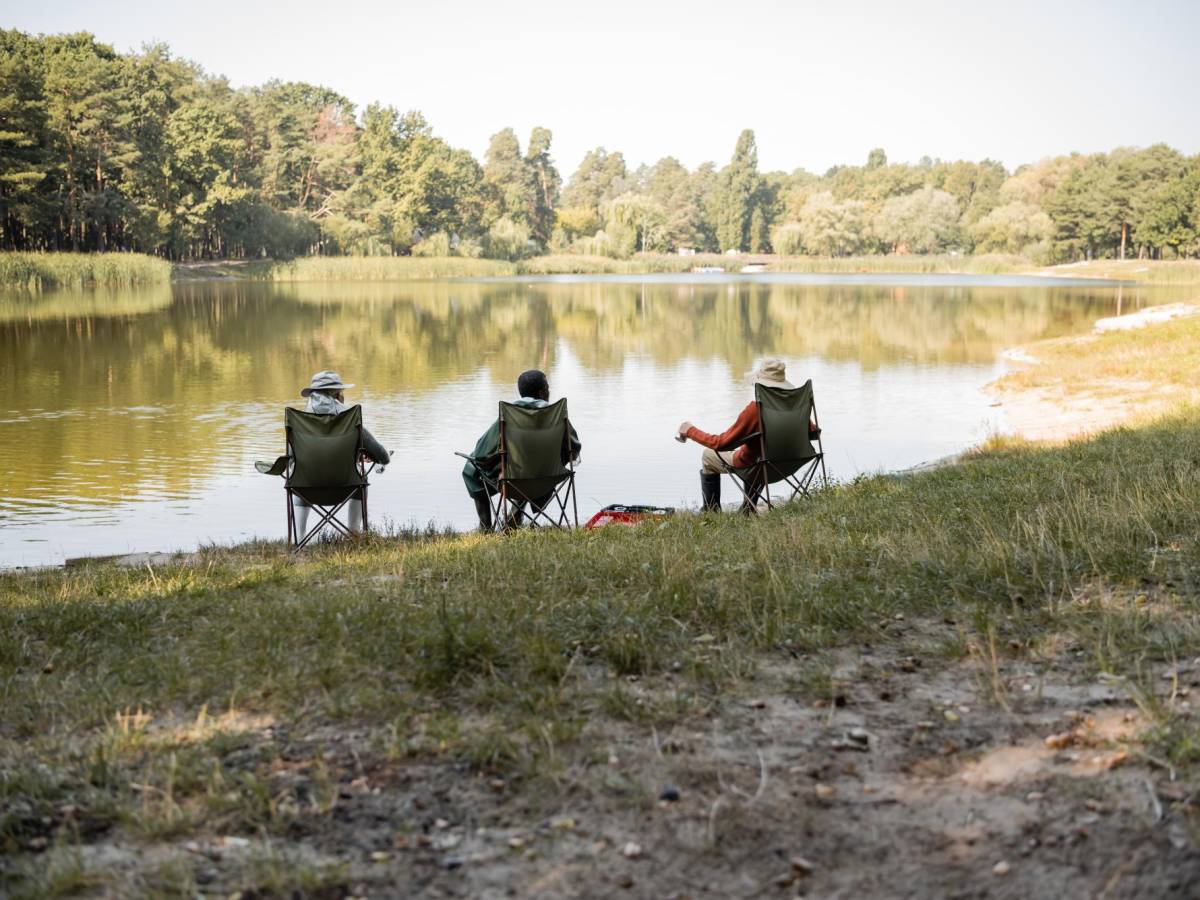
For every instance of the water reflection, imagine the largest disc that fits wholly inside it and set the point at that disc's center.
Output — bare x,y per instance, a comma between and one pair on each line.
130,418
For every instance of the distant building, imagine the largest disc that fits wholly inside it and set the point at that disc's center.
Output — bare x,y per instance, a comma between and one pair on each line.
686,251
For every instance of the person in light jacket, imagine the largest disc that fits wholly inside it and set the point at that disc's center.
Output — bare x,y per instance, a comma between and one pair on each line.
326,397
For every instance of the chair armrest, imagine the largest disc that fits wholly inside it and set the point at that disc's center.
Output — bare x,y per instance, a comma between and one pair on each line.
276,468
741,443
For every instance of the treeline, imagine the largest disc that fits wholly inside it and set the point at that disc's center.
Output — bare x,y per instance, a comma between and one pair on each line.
143,152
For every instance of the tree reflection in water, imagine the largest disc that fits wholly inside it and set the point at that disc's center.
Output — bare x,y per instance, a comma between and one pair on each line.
139,409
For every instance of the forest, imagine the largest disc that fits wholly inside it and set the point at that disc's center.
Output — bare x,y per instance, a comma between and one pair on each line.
146,152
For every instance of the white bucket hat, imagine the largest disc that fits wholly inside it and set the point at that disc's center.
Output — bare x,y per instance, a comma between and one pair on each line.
325,381
770,372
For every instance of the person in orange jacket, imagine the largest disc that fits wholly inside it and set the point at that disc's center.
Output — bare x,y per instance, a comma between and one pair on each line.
730,446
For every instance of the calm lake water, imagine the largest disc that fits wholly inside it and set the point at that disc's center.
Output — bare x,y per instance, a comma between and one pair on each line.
131,420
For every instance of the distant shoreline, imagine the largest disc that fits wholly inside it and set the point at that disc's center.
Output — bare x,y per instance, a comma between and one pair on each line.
41,271
346,268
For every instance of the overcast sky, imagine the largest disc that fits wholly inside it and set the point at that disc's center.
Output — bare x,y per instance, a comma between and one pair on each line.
821,83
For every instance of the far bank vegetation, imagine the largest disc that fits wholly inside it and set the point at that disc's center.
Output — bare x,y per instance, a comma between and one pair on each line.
143,152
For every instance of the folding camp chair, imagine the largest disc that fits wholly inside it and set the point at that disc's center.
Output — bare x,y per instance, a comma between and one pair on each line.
785,448
536,468
324,468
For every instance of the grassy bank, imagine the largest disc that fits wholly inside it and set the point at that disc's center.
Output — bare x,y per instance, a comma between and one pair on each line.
45,270
1157,363
1181,272
164,704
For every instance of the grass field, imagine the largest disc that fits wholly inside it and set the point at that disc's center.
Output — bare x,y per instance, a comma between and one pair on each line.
46,270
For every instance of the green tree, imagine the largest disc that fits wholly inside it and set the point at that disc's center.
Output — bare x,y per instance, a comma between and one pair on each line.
600,177
23,153
925,221
87,123
832,228
760,238
738,193
206,151
545,184
676,194
1016,227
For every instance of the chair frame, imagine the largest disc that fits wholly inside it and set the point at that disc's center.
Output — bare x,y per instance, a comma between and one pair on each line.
759,482
327,513
508,501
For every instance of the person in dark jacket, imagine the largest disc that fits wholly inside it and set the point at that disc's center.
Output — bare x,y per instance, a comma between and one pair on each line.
534,390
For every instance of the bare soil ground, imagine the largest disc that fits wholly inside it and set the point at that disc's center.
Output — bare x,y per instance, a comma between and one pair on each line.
878,771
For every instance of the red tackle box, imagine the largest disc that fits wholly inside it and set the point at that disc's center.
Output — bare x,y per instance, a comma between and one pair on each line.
628,515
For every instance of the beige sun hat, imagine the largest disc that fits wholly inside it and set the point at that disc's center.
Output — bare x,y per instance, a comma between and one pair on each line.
770,372
325,381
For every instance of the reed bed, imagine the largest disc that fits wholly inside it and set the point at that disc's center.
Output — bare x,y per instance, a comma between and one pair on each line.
35,271
382,268
406,268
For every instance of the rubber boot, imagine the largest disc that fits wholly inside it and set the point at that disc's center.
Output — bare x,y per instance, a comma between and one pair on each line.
749,505
354,516
710,491
301,521
483,509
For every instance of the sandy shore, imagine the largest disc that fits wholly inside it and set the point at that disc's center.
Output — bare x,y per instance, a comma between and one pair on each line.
1053,412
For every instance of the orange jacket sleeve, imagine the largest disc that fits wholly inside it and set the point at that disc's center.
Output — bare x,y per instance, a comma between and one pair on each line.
746,425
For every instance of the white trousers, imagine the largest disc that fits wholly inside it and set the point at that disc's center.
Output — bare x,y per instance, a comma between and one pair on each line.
353,510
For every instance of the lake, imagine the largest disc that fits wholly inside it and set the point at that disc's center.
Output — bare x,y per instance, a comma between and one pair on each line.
130,420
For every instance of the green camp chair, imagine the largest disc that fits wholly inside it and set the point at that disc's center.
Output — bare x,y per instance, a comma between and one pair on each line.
536,468
785,447
323,469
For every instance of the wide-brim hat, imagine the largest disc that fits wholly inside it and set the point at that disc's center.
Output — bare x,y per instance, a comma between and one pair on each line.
770,372
325,381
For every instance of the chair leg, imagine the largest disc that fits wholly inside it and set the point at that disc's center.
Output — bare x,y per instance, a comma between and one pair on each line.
328,516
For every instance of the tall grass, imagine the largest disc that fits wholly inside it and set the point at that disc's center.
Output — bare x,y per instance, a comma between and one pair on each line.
43,270
382,268
399,268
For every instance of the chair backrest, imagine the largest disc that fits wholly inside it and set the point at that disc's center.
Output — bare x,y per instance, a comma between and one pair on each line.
784,415
325,453
534,446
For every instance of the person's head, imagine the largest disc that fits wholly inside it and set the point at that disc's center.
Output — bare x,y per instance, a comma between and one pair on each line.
328,383
534,384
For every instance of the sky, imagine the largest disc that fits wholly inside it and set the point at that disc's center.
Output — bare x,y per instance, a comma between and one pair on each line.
821,83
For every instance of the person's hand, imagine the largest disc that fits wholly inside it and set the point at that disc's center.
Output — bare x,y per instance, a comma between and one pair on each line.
684,427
